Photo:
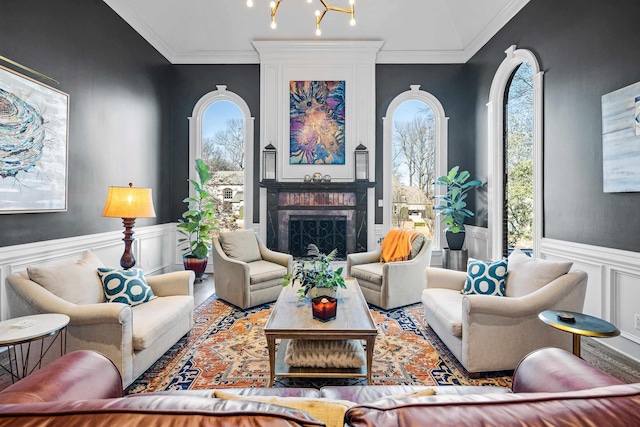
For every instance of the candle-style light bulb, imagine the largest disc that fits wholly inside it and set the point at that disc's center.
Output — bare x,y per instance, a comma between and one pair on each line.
273,25
318,32
352,22
250,3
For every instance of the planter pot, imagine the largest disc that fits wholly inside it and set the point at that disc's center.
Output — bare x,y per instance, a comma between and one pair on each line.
198,265
327,292
455,240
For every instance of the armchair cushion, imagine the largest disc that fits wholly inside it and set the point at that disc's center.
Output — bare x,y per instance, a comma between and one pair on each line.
264,271
241,245
86,286
445,306
369,272
486,278
125,286
526,275
416,245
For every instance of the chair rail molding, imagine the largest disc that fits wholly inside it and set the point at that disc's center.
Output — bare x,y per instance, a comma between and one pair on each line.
613,288
153,249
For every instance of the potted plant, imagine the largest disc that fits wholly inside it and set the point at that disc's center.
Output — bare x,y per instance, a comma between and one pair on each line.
453,208
316,277
198,222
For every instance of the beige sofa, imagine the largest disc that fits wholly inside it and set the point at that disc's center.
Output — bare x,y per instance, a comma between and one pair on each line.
493,333
132,337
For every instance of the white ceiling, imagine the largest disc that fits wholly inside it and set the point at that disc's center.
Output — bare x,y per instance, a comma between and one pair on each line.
221,31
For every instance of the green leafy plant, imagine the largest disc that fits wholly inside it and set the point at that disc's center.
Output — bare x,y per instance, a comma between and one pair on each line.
199,221
317,273
453,208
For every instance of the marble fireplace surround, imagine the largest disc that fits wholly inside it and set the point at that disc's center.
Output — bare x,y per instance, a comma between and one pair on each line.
285,200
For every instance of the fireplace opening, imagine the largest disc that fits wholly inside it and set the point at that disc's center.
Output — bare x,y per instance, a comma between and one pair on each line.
326,232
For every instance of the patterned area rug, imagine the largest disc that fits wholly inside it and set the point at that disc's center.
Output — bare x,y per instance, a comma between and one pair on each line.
227,348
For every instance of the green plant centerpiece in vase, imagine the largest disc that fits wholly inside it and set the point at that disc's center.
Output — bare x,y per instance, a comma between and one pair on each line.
198,222
316,277
453,208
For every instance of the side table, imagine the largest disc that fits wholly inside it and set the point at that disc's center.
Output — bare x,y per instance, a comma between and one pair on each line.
26,330
582,324
453,259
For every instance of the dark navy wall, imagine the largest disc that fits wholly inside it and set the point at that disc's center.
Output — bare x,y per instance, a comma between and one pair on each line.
119,118
447,83
586,48
190,83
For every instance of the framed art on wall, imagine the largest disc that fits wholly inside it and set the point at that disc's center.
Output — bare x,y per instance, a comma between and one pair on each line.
33,145
317,122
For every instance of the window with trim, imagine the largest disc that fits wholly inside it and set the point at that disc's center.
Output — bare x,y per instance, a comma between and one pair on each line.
415,152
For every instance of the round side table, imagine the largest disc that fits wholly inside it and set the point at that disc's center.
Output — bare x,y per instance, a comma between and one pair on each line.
29,329
582,324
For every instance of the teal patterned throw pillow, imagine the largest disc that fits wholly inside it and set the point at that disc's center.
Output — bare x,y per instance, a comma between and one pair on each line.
486,278
126,286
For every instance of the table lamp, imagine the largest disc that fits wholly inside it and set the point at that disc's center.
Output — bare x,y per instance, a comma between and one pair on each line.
128,203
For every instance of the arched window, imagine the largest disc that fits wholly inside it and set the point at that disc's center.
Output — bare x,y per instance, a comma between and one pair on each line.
501,152
228,164
415,153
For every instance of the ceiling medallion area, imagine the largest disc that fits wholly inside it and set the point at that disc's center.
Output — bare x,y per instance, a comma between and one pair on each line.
320,13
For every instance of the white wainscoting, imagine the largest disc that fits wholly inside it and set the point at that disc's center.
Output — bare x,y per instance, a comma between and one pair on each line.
154,248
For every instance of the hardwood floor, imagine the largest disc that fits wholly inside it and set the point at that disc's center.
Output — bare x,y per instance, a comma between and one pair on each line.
593,351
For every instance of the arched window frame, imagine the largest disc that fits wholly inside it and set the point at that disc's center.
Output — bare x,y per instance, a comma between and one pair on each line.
495,199
442,135
195,140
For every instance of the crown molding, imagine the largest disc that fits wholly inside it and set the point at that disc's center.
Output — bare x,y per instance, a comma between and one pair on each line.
133,19
421,57
492,28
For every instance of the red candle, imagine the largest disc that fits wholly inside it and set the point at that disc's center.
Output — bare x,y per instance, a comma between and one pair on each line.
324,308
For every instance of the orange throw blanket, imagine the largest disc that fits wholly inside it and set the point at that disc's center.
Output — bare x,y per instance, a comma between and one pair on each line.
396,245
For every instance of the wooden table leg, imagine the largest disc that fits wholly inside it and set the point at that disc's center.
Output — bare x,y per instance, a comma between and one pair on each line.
271,348
576,344
370,343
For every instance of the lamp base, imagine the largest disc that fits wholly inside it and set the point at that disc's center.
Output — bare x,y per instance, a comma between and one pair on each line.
128,260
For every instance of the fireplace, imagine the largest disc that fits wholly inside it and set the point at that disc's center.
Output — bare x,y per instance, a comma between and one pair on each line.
330,215
326,232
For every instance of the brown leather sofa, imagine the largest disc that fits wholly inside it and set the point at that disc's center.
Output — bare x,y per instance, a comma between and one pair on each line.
550,387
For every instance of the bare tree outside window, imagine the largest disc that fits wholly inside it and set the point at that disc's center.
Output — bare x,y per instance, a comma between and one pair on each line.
519,159
413,163
223,151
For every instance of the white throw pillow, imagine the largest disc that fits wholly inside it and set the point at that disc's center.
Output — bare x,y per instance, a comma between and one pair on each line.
526,274
75,281
241,245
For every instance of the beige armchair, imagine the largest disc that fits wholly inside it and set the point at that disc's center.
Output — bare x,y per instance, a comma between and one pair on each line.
247,273
390,284
493,333
133,337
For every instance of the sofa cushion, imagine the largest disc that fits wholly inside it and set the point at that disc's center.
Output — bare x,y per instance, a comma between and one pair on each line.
485,278
446,306
526,274
368,272
331,412
125,286
241,245
263,271
75,281
156,317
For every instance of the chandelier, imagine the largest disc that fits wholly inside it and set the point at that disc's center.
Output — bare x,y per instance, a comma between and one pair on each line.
275,4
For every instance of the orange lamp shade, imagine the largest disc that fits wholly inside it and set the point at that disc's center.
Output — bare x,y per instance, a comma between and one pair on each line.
129,202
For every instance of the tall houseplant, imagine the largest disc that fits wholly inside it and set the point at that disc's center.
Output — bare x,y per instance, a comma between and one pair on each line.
316,274
453,208
198,222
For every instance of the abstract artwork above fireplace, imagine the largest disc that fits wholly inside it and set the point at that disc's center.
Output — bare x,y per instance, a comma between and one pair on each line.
317,122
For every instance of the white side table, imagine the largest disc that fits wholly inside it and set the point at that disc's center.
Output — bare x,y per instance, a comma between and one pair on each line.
26,330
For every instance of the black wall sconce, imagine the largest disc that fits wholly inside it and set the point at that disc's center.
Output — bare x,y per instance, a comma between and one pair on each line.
362,163
269,163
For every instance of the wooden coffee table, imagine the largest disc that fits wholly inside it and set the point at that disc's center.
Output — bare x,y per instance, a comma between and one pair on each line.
291,318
